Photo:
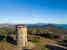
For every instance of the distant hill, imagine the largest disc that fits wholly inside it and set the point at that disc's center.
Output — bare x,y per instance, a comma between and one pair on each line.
7,25
46,25
36,25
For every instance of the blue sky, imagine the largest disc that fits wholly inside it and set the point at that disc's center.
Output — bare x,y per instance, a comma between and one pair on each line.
33,11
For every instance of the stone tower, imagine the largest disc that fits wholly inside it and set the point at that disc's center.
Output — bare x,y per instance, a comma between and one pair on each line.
21,36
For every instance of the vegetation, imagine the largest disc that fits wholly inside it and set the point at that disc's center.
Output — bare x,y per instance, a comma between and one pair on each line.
36,39
37,32
45,49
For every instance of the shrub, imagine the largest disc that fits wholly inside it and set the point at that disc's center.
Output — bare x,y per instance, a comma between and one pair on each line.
45,49
2,37
36,39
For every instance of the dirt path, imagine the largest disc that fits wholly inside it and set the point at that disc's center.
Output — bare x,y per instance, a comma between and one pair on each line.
45,41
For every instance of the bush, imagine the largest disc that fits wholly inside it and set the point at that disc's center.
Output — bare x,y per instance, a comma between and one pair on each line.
65,41
45,49
36,39
2,37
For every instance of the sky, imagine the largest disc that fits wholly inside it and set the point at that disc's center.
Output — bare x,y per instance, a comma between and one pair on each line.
33,11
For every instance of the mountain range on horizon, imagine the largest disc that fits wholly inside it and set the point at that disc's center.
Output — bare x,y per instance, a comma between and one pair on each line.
36,24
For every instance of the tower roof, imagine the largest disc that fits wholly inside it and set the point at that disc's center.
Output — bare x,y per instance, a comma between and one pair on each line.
20,25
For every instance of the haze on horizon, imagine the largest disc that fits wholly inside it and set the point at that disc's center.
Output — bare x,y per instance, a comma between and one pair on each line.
33,11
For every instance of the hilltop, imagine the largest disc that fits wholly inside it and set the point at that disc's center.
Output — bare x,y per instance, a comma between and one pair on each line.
43,35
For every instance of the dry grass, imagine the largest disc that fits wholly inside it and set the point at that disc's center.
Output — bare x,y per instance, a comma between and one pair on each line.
7,46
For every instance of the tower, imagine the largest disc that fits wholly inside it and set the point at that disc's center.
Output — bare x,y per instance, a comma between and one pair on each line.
21,36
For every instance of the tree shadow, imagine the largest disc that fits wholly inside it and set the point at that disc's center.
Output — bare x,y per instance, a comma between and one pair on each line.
11,40
54,47
25,49
63,43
